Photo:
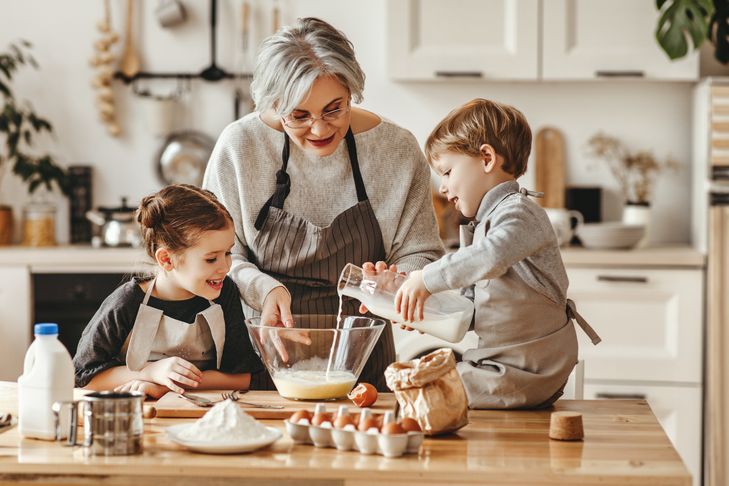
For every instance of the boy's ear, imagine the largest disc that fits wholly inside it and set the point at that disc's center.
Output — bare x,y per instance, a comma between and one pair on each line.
164,259
488,155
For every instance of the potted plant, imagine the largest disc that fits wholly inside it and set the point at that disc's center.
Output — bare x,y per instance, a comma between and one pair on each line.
635,172
20,125
682,22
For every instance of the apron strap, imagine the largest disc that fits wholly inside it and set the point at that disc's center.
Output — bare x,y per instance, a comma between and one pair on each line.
283,181
148,293
573,314
354,161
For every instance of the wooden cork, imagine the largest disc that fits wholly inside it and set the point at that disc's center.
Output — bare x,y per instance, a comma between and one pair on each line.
566,426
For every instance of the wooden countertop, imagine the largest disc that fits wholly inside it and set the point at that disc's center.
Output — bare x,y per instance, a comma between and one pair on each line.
624,444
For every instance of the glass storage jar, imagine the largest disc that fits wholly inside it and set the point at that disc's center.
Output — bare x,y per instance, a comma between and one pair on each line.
39,224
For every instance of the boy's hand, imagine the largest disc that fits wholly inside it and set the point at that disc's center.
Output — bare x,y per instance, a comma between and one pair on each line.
152,390
172,372
411,297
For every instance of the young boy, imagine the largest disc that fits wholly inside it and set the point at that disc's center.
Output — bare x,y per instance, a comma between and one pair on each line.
509,262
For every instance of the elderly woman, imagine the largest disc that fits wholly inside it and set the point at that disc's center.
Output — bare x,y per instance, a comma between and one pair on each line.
314,183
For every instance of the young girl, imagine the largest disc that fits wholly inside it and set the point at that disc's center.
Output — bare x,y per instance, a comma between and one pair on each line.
182,328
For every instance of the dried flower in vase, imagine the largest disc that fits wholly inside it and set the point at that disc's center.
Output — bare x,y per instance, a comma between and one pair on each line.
635,171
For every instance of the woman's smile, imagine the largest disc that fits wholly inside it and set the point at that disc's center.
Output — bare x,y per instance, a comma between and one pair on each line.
322,142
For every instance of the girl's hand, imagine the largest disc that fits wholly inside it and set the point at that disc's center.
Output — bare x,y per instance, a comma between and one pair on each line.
152,390
372,269
411,297
172,372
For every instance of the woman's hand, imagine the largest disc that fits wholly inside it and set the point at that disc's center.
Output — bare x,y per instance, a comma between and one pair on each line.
276,309
276,312
172,372
152,390
411,297
372,269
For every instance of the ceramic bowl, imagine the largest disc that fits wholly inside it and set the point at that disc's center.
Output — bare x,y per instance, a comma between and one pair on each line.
610,235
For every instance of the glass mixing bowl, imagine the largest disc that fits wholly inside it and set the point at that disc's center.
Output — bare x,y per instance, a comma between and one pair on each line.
316,360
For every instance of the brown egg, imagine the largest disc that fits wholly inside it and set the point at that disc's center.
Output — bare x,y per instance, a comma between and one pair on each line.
343,420
393,428
363,395
368,423
320,418
410,425
296,417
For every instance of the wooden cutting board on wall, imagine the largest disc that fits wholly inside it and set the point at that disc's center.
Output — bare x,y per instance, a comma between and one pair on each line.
550,167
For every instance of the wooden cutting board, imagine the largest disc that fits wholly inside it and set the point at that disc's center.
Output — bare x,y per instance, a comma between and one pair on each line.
550,167
172,406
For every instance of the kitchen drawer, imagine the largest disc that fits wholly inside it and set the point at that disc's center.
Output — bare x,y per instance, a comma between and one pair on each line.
678,409
650,321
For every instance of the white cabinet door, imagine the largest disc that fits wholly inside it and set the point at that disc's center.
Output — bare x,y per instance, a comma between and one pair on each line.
650,321
678,409
490,39
15,320
590,39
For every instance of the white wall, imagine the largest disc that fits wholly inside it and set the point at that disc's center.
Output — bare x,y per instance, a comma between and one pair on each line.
646,115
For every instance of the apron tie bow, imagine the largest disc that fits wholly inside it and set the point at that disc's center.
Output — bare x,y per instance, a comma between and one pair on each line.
573,314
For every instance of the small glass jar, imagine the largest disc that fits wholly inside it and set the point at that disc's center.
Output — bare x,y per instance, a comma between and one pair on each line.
39,224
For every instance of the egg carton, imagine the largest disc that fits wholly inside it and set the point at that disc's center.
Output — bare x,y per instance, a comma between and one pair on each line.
371,441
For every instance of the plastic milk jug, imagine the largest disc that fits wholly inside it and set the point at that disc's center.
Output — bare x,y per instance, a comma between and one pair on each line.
446,315
47,377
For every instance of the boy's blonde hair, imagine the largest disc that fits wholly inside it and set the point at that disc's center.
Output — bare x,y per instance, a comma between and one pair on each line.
480,122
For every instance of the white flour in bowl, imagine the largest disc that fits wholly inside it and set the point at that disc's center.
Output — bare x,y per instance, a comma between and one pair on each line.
223,423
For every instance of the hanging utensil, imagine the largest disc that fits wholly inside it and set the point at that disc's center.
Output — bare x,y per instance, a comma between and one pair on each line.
276,16
129,65
213,72
183,157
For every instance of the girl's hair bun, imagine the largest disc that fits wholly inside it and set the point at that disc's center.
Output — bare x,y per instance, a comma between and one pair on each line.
151,212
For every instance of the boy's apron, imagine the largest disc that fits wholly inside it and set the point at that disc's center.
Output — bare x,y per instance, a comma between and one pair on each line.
527,345
308,259
156,336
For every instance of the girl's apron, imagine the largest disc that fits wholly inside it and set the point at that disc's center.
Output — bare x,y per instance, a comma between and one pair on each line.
156,336
308,259
527,345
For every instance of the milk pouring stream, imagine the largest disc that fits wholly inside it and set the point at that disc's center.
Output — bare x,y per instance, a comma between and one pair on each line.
47,378
446,315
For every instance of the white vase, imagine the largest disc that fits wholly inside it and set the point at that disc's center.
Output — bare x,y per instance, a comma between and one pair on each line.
639,214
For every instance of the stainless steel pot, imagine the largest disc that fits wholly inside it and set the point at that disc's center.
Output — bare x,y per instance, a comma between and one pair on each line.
118,225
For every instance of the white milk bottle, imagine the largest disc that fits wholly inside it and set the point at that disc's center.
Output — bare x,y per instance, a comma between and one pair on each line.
446,315
47,377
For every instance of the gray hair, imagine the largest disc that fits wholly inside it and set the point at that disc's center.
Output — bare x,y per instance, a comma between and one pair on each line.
294,57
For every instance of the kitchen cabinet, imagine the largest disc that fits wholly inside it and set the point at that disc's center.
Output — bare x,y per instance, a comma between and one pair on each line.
529,40
652,327
493,39
15,318
677,408
591,39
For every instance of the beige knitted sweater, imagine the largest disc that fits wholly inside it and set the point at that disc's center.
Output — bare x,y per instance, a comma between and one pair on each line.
241,173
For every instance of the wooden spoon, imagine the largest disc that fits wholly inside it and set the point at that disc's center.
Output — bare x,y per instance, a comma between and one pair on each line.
129,60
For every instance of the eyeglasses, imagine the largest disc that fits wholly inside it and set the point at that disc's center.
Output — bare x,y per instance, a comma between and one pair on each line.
308,120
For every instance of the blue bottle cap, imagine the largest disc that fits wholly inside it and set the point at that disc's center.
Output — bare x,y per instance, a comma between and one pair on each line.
46,328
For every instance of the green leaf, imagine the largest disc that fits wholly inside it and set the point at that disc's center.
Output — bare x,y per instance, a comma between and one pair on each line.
681,21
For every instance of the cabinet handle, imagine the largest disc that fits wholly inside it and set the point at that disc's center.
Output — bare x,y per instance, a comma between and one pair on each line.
619,74
458,74
621,396
619,278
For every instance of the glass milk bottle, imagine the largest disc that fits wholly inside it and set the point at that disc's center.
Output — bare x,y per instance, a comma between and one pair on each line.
446,315
47,377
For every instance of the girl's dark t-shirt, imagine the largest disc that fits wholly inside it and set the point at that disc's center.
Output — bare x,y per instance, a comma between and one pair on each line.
102,339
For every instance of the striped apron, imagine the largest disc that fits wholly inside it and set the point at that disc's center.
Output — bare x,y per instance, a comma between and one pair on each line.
308,259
